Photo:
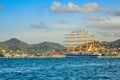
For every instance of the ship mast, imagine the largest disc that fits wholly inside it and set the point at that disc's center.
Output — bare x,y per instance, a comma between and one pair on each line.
86,41
93,42
74,41
80,48
69,43
80,41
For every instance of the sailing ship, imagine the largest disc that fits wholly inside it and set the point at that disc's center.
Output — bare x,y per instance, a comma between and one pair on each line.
81,44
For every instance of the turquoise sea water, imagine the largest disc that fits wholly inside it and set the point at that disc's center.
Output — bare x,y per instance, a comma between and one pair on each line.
59,69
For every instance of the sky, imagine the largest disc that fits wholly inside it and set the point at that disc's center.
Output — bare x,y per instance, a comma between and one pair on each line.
35,21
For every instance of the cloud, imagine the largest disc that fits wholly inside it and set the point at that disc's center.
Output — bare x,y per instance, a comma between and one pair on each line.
71,7
107,26
1,6
107,31
63,22
113,20
110,34
117,12
42,25
62,25
65,27
96,18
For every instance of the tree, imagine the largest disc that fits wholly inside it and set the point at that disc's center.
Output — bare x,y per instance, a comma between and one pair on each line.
1,54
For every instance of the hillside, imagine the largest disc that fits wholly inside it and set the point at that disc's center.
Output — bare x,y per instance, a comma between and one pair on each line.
15,45
3,45
113,44
15,42
45,46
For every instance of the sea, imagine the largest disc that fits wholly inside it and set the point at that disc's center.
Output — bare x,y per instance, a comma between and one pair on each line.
59,68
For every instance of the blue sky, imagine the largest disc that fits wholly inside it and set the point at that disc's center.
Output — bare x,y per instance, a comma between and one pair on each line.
35,21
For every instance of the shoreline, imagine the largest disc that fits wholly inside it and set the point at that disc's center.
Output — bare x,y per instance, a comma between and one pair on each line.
63,57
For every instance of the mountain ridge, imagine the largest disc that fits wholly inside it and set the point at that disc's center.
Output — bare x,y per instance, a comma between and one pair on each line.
15,44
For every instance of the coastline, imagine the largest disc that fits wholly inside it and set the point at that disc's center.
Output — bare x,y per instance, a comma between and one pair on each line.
63,57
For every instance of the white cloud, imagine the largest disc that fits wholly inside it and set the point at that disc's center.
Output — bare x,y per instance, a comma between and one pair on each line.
42,25
96,18
110,34
63,22
65,27
113,20
71,7
117,12
62,25
107,27
107,31
112,24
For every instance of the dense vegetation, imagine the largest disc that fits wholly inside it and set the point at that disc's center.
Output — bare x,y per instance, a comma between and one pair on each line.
111,45
15,44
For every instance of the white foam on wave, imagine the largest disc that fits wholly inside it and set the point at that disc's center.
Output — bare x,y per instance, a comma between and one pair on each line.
80,65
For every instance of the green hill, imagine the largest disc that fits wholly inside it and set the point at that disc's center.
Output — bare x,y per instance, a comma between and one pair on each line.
4,45
45,46
115,44
15,44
